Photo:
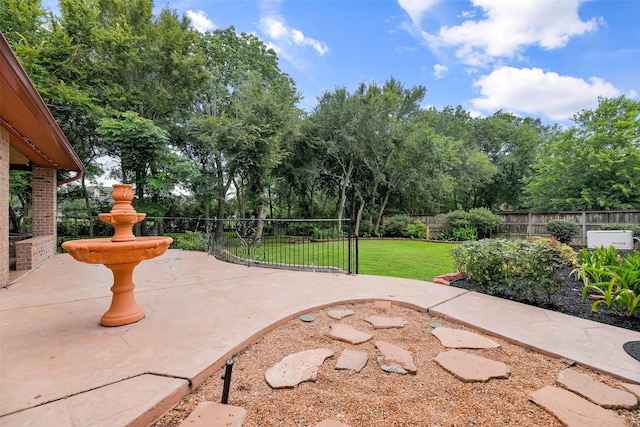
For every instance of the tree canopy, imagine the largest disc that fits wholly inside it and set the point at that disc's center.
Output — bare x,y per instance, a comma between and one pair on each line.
144,98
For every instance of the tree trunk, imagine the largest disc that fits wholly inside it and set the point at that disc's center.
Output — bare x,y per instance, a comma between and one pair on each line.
376,229
359,215
343,191
262,215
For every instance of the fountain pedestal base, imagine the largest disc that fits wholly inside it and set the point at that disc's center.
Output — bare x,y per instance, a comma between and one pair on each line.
124,309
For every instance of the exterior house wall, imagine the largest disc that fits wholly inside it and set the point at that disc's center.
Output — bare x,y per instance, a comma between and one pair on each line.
4,207
43,222
42,245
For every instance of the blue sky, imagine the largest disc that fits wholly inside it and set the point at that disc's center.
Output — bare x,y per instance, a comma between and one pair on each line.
539,58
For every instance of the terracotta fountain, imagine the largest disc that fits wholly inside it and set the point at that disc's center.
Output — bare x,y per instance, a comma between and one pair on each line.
121,254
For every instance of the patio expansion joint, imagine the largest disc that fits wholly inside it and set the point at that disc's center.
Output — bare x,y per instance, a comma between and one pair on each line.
447,300
188,380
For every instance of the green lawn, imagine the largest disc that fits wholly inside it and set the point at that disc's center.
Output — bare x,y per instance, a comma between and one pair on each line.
405,258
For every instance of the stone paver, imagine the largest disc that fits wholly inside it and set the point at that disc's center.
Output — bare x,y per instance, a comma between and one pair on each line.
572,410
352,359
471,368
348,334
457,338
212,414
597,392
340,314
382,322
331,423
392,369
394,355
633,388
296,368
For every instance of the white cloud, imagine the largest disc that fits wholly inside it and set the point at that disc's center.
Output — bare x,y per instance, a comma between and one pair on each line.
200,22
506,27
276,28
416,8
439,70
532,91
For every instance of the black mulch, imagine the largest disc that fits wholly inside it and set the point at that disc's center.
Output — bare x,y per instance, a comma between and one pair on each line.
569,301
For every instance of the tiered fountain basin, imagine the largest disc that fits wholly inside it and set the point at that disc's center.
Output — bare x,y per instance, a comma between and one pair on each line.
120,254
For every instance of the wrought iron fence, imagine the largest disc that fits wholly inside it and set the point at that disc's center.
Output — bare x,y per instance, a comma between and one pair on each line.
325,245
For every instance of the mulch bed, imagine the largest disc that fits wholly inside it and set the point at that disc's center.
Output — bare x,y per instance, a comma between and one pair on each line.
569,301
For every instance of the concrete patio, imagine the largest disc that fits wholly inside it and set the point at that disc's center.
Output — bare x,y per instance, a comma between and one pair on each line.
59,367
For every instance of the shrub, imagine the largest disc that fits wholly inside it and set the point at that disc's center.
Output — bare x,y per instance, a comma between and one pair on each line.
189,241
366,228
396,226
327,233
513,268
563,230
417,229
631,227
567,254
456,219
483,220
463,234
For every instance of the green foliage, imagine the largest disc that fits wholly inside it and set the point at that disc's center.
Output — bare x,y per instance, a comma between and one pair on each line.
327,233
566,253
629,227
483,220
563,230
593,165
366,229
462,226
456,219
189,241
463,234
417,229
616,280
396,226
517,268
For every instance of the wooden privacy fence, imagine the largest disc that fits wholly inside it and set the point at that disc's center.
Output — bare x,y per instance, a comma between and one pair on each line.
527,224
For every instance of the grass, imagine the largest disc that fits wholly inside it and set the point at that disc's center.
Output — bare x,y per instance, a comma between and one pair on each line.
407,259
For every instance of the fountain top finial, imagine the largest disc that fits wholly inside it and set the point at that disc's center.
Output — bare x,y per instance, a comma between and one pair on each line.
122,216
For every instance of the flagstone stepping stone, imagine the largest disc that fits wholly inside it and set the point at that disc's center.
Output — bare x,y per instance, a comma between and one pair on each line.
340,314
381,322
392,369
471,368
352,359
307,318
457,338
215,414
331,423
297,368
394,355
633,388
597,392
348,334
572,410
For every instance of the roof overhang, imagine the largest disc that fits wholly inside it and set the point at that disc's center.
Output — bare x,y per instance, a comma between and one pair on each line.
33,132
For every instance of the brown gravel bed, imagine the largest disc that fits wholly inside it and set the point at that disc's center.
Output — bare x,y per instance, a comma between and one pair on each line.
432,397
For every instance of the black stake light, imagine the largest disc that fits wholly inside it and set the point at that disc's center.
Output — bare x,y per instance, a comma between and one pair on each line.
227,381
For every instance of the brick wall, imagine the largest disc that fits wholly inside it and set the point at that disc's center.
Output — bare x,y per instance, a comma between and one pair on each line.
4,207
43,221
32,252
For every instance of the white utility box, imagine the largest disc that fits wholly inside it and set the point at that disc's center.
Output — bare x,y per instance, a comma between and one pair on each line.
619,239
